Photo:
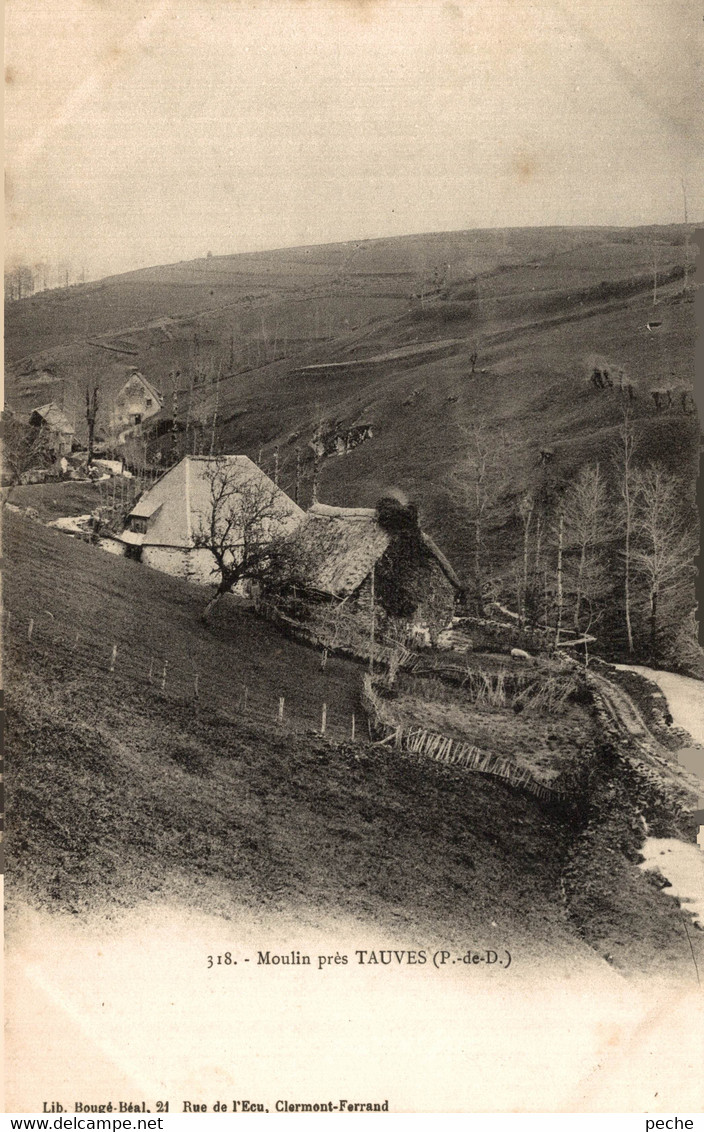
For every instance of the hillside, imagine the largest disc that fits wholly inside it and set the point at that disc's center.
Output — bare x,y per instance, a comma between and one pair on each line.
248,350
120,789
132,799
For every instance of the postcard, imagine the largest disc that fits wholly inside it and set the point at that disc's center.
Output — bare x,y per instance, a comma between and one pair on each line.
354,676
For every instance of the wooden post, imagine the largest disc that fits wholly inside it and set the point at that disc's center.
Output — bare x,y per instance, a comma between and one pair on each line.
163,676
195,682
371,640
324,720
244,699
297,491
559,579
113,658
174,426
352,733
316,469
30,628
151,669
281,709
276,465
215,410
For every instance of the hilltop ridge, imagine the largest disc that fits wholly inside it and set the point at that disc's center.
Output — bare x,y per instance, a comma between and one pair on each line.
254,353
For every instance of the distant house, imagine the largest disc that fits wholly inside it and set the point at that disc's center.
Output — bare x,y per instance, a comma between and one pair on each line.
354,551
160,529
137,401
59,430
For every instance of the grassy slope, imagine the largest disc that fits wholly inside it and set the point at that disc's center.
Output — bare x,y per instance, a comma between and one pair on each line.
115,788
147,614
526,295
54,500
118,792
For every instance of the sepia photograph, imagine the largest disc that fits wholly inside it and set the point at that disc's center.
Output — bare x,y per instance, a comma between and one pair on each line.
352,655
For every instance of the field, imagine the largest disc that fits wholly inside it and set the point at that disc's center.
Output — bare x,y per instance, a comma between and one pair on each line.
54,500
543,739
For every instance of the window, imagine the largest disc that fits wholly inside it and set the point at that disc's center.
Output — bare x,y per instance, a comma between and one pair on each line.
137,418
149,402
138,525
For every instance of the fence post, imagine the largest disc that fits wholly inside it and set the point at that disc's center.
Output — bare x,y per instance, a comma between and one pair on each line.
30,628
281,709
324,720
163,676
151,669
244,699
196,685
353,727
113,658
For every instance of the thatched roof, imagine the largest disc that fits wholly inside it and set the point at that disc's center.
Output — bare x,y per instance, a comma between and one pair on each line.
53,417
442,561
343,543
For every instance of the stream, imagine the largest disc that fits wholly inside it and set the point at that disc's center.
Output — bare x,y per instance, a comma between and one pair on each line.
684,695
681,863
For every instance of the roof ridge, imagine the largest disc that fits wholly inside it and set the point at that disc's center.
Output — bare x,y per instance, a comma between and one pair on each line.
222,456
151,387
327,511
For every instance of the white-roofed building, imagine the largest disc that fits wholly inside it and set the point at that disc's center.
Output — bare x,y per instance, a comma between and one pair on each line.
163,527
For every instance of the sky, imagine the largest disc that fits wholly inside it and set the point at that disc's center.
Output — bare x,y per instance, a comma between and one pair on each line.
141,133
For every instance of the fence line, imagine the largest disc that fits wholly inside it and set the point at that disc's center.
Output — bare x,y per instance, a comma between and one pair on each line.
163,677
241,703
452,752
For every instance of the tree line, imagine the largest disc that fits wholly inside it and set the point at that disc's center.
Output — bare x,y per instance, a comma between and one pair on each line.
23,279
609,554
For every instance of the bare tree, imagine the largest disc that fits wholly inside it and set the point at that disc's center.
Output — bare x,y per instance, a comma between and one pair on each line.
481,478
559,575
474,355
623,459
526,509
91,415
24,447
587,515
19,282
246,528
663,557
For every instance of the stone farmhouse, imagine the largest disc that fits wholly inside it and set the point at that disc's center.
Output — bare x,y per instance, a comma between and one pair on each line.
136,402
